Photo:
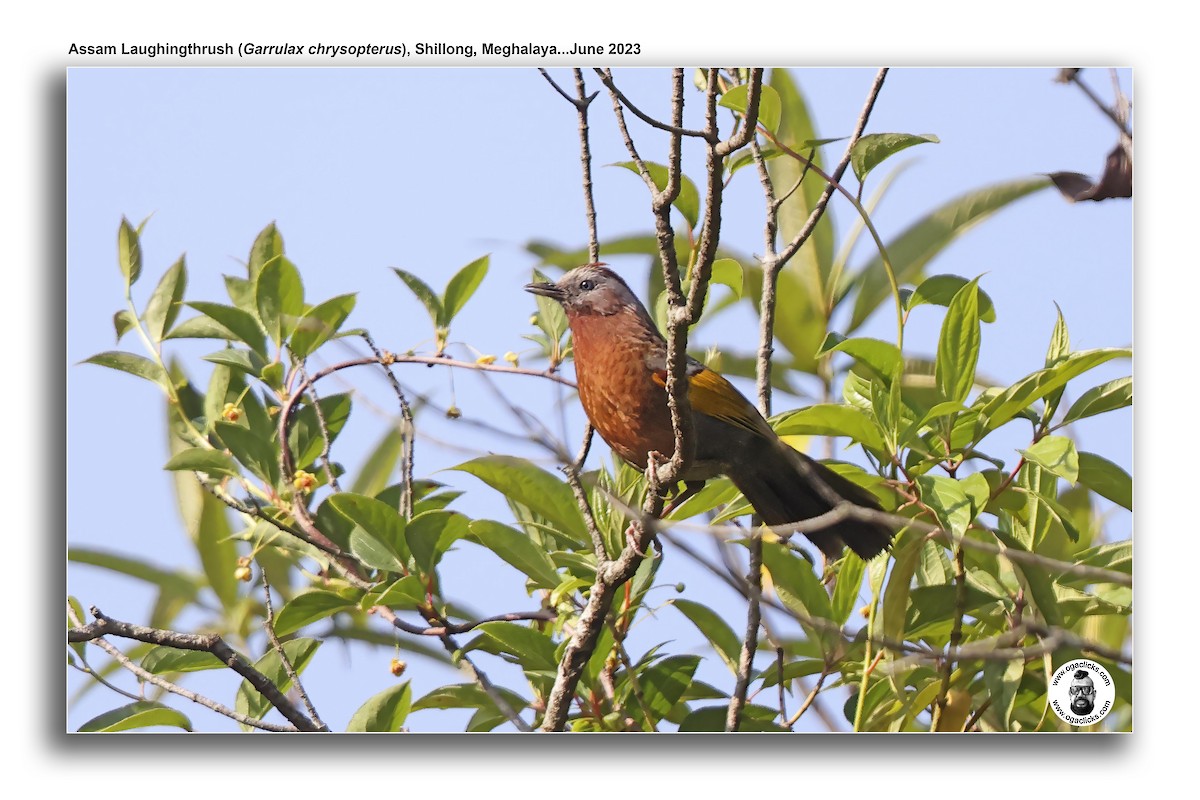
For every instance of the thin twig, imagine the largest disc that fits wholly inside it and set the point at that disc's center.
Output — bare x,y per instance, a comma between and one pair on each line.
289,668
210,643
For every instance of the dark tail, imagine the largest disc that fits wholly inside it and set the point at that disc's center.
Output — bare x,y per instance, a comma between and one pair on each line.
784,486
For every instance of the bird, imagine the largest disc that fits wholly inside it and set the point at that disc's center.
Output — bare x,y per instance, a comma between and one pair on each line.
621,371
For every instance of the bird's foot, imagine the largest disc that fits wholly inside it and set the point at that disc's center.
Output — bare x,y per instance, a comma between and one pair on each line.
632,534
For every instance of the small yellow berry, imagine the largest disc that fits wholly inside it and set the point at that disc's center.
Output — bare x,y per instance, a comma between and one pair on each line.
453,412
865,611
304,482
486,360
243,574
511,358
231,412
533,319
397,667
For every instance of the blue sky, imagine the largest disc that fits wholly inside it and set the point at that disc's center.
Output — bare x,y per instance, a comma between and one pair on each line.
424,169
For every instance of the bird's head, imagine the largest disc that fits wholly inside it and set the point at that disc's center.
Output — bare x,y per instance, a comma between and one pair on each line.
592,289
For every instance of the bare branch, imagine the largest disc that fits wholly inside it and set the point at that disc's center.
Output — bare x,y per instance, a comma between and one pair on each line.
208,642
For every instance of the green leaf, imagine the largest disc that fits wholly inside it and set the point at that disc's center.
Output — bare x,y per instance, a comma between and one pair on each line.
428,297
728,272
724,641
1003,680
217,394
305,437
461,287
307,608
201,328
800,589
928,236
958,346
1002,407
385,712
845,591
1057,454
906,554
873,149
431,533
939,290
688,200
202,459
255,452
241,294
320,323
524,483
267,249
1060,341
133,364
831,419
516,548
664,682
467,695
162,660
533,649
1106,479
883,358
378,540
948,500
711,719
246,361
407,592
163,306
1099,399
299,653
123,322
1117,556
770,108
129,253
279,298
141,714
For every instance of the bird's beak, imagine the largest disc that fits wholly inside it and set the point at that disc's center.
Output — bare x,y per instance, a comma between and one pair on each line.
550,290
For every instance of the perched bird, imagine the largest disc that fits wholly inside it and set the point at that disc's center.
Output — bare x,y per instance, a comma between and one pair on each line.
621,371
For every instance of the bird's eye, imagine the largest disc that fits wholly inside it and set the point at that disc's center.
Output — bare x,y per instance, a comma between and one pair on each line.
587,285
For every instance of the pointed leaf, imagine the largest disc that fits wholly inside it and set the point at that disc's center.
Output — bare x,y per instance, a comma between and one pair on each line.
133,364
461,287
831,419
523,482
378,541
162,660
255,452
320,323
518,550
140,714
939,290
129,253
203,459
163,306
428,297
958,346
1106,479
1057,454
1100,399
873,149
722,638
385,712
307,608
267,249
279,298
241,324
